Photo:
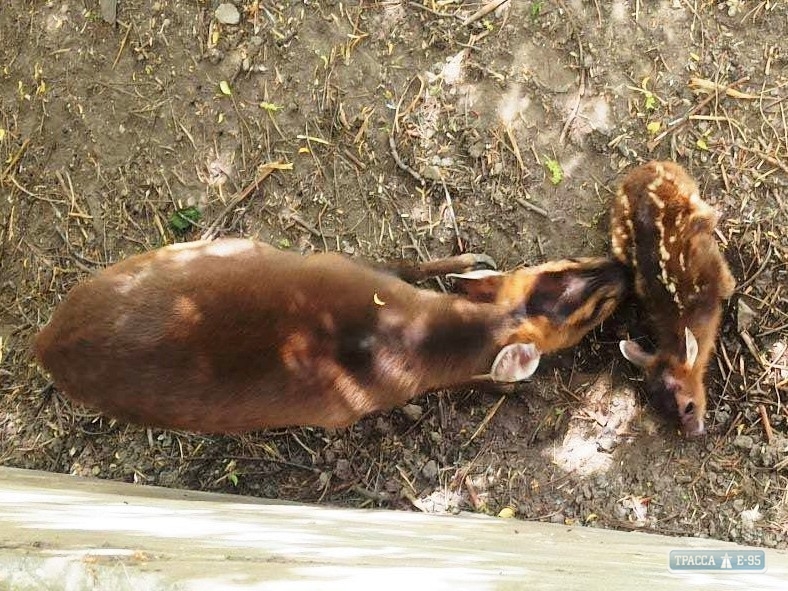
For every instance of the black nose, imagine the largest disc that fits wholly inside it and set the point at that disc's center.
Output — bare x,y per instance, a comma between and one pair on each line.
689,409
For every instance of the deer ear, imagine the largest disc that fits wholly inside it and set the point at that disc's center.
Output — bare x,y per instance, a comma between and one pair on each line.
705,218
634,353
692,347
515,363
479,286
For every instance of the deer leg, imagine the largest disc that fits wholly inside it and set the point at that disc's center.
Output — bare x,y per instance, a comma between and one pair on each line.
413,272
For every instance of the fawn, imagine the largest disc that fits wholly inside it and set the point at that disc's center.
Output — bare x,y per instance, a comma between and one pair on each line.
665,231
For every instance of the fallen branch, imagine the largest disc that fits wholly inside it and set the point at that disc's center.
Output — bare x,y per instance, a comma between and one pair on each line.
483,11
767,426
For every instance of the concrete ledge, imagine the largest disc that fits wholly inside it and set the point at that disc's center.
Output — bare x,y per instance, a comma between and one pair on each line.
61,532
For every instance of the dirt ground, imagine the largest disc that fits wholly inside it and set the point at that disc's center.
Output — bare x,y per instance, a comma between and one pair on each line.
400,129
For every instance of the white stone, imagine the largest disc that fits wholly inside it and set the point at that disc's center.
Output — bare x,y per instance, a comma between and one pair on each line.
227,14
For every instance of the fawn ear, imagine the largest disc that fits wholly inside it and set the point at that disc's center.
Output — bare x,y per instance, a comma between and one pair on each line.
634,353
481,285
515,363
692,347
704,219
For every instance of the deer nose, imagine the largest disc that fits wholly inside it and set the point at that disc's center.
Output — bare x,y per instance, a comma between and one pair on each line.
692,426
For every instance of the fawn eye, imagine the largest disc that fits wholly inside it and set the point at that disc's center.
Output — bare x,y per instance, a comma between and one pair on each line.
690,408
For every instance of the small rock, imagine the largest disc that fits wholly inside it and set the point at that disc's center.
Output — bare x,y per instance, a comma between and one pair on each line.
722,416
343,470
683,478
227,14
626,151
745,316
109,10
743,442
413,411
766,455
606,443
557,518
749,517
430,470
607,440
477,150
431,173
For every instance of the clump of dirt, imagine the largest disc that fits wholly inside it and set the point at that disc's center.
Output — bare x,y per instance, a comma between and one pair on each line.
406,129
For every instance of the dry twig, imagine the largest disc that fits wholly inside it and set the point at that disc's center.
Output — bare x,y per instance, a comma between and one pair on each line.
694,110
265,172
483,11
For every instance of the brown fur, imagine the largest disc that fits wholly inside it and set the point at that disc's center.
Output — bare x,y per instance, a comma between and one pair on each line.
235,335
563,299
662,228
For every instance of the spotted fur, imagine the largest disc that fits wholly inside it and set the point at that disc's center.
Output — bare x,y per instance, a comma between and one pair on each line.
663,229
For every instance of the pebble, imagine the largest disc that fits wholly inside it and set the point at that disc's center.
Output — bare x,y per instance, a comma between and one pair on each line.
431,173
343,471
745,316
606,443
227,14
557,518
722,416
430,470
743,442
413,411
750,517
477,149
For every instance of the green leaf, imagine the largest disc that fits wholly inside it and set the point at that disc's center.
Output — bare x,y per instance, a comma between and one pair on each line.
183,219
270,107
651,101
554,168
233,477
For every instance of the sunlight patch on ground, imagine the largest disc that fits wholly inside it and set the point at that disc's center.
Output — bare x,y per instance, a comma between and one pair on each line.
453,71
513,103
594,429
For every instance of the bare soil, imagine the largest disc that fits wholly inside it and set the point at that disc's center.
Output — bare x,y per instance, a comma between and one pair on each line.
396,129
